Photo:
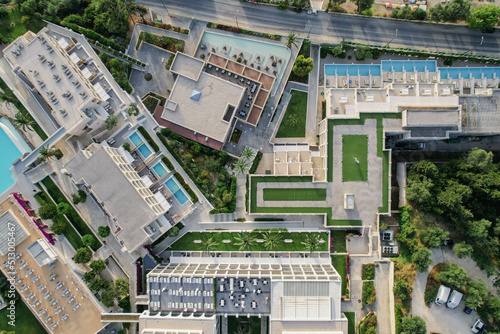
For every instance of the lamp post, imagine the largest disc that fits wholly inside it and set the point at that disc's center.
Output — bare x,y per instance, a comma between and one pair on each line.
165,8
310,27
395,36
237,19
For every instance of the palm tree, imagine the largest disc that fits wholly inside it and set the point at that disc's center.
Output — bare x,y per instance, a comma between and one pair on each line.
291,40
247,153
272,240
245,240
293,120
132,109
311,243
241,166
8,98
46,153
23,121
209,243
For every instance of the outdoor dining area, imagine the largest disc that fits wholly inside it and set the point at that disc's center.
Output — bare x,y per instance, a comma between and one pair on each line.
243,295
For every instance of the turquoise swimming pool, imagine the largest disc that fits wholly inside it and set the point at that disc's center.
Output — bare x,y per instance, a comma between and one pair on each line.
9,154
251,46
467,72
145,151
352,69
135,138
409,65
176,190
160,169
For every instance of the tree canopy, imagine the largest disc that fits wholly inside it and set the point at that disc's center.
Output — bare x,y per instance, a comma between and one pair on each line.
303,66
454,276
484,18
421,259
82,255
413,325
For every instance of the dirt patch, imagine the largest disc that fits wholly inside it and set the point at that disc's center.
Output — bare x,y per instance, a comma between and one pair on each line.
433,283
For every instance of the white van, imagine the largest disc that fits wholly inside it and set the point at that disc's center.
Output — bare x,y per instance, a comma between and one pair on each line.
454,299
442,295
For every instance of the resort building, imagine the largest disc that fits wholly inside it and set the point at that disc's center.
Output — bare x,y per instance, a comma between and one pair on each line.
201,289
135,215
63,77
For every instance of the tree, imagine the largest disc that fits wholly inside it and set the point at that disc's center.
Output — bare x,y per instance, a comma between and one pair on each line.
493,306
272,240
311,243
291,40
108,298
433,237
111,121
126,146
103,231
463,249
479,160
293,120
46,153
97,283
363,4
413,325
241,166
245,240
23,121
97,265
425,168
59,226
63,208
122,287
478,230
247,153
476,294
484,18
82,255
453,276
209,243
419,190
363,53
88,240
337,51
132,109
174,231
302,66
47,211
89,276
421,259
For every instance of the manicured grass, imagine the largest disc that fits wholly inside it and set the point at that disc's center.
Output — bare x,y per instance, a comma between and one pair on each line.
186,242
339,262
351,320
294,194
295,112
25,320
338,241
73,216
70,234
344,222
354,147
12,32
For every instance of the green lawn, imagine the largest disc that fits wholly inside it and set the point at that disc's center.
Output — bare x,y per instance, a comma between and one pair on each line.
294,194
354,158
186,242
351,320
339,262
25,320
12,32
70,233
296,112
344,222
73,216
338,241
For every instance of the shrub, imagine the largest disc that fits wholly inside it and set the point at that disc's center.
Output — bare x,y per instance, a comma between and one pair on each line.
126,146
89,240
368,272
369,294
421,259
448,62
82,195
82,255
97,265
255,163
167,163
103,231
148,76
63,208
202,56
148,138
323,52
47,211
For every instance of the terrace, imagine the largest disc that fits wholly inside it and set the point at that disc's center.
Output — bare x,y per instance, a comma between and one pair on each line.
243,295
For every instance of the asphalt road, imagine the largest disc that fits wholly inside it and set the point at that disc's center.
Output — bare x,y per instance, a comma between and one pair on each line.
327,27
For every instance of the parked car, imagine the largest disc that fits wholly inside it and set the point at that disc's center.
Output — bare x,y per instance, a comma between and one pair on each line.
442,295
477,327
312,12
454,300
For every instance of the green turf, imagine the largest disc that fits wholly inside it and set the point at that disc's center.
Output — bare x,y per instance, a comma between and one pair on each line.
339,262
12,32
354,147
297,109
70,232
351,320
186,242
338,241
25,320
294,194
73,216
344,222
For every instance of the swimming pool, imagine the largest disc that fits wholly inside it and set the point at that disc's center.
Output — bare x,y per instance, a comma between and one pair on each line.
135,138
352,69
160,169
467,72
254,47
409,65
10,153
176,189
145,151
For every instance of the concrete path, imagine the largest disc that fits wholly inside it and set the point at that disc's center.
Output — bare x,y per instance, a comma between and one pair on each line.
312,98
383,288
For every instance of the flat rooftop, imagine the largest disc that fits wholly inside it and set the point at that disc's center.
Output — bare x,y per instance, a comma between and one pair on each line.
187,66
113,189
201,105
431,118
85,319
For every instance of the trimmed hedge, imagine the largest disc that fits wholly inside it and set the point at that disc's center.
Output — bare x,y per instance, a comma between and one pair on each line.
255,163
167,163
93,35
186,186
148,138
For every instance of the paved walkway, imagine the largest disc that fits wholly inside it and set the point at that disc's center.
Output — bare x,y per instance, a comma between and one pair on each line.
312,98
383,288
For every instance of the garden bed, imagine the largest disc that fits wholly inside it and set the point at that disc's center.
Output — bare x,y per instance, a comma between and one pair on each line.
164,42
368,271
339,262
152,100
369,295
293,123
235,136
243,31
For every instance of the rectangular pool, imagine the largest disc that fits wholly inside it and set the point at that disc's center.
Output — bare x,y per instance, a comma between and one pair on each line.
160,169
145,151
176,190
181,197
468,72
409,65
352,69
135,138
